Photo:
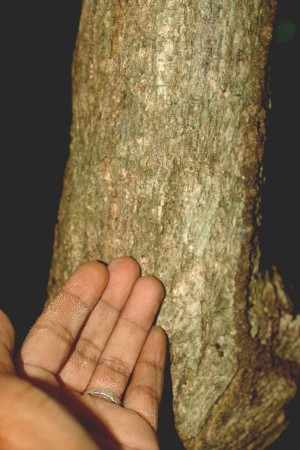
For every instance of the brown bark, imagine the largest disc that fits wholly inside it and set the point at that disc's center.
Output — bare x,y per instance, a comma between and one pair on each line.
167,143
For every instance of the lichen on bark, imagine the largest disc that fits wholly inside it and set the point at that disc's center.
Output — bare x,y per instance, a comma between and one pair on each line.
167,142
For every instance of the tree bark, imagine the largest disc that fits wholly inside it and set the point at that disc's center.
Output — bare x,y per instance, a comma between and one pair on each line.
166,165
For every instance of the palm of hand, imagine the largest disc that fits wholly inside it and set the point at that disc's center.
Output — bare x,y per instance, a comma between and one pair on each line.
97,333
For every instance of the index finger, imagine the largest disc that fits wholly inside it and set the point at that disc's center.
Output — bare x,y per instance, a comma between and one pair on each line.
50,339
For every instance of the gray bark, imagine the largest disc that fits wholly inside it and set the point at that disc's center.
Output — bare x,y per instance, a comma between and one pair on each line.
165,165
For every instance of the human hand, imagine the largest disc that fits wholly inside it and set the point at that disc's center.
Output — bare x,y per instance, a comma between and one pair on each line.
96,334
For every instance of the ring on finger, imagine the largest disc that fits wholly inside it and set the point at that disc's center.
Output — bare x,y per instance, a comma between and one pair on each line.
106,395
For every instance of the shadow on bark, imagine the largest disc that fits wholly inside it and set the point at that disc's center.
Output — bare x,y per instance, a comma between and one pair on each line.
290,437
167,434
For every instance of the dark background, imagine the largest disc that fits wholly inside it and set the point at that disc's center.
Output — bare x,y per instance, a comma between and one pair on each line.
36,43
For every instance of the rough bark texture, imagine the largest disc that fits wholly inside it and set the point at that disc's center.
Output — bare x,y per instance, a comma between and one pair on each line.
167,143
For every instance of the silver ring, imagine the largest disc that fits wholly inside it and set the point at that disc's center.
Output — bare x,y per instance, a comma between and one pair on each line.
107,395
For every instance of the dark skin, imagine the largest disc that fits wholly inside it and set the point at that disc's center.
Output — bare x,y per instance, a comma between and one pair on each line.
98,332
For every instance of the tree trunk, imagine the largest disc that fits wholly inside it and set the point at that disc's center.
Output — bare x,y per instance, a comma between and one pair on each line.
166,165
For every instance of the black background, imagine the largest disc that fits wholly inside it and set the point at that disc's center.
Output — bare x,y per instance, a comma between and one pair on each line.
36,42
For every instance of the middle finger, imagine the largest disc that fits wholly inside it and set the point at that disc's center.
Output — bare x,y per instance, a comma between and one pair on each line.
78,369
128,337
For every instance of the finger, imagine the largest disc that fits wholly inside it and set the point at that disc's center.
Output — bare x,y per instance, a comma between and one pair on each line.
79,367
128,337
144,392
7,339
50,339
